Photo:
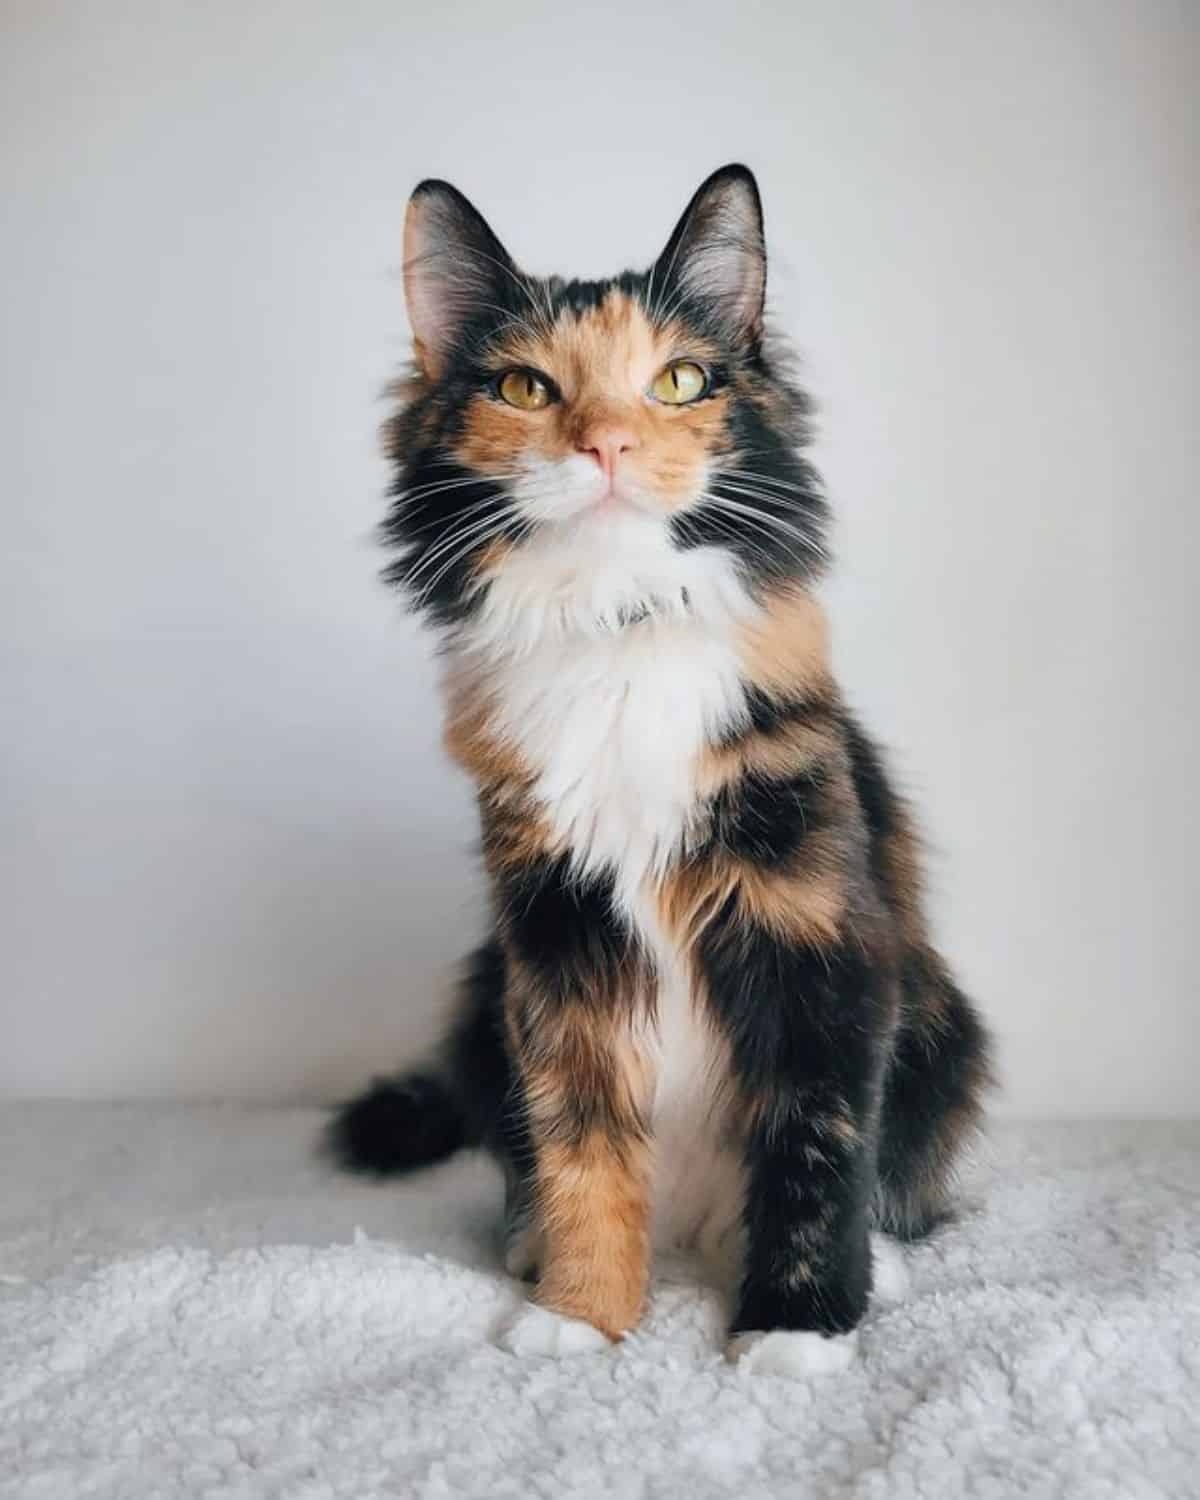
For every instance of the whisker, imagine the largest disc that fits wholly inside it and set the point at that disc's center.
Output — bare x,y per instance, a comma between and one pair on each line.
459,516
763,520
736,529
769,480
735,533
440,486
472,546
459,534
764,516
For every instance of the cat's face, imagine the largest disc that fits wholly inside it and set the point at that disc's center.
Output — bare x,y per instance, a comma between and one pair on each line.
589,453
598,408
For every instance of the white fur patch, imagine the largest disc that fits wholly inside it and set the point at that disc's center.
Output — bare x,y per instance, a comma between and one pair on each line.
611,657
557,489
798,1355
584,575
698,1180
889,1273
536,1331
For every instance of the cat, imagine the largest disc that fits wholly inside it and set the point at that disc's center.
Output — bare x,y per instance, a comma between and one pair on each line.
708,1013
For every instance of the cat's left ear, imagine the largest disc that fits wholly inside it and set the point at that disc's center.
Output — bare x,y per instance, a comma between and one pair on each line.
455,269
717,256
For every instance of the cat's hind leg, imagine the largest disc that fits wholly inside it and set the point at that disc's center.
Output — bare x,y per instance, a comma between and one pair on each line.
932,1099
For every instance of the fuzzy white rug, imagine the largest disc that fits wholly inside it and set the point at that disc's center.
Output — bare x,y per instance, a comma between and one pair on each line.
189,1306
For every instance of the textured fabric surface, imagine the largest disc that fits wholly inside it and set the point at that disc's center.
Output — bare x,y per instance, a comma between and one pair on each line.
191,1306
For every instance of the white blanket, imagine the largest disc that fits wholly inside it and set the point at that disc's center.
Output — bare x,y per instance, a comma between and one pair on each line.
190,1306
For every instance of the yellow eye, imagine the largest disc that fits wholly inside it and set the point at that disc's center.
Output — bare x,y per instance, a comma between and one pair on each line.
680,383
524,389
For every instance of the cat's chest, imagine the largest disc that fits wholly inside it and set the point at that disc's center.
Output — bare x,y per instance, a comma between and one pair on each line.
611,729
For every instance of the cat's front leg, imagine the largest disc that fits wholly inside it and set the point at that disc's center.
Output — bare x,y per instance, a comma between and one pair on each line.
577,994
806,1279
592,1205
806,1024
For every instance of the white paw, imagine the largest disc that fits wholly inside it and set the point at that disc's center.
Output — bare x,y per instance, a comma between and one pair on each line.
537,1331
890,1274
794,1353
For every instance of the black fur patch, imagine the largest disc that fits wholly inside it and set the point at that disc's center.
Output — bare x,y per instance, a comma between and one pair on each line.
768,508
441,515
875,795
794,1014
805,1027
936,1072
584,296
765,820
769,713
476,1052
564,927
397,1125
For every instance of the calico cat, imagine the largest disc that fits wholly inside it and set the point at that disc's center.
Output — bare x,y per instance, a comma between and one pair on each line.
708,1012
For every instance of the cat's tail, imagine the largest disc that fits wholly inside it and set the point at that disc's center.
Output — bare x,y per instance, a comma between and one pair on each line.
397,1125
415,1119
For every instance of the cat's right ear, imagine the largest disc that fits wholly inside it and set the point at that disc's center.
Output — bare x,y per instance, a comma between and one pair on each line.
716,254
454,269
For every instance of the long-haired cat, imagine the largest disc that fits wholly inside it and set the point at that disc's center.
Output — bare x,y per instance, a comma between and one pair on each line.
708,1012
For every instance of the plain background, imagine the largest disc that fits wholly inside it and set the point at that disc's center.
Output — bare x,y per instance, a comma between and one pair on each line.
235,862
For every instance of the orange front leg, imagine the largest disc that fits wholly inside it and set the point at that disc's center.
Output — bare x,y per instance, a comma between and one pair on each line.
585,1090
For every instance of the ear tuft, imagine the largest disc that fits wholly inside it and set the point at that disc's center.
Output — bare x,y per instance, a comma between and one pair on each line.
454,269
716,255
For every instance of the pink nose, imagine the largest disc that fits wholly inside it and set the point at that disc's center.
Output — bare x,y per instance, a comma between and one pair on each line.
606,445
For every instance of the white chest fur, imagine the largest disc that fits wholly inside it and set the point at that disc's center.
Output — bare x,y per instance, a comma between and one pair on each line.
610,659
612,726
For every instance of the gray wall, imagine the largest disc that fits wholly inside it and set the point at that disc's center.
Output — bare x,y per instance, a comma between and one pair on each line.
234,860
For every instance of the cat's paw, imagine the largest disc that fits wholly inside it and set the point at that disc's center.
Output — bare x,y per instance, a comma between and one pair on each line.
888,1271
541,1333
793,1352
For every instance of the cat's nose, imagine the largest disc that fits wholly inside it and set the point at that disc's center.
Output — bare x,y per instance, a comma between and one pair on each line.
606,445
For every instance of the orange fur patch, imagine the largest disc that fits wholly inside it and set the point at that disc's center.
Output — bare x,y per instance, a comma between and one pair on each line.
803,906
594,1201
785,649
587,1093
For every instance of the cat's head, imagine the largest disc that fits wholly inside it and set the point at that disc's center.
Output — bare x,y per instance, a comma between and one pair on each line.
582,455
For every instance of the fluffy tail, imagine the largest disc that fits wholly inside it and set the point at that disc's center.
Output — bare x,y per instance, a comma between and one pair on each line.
397,1125
416,1119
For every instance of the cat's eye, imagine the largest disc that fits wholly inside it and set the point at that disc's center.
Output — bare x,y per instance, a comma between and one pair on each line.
682,381
524,389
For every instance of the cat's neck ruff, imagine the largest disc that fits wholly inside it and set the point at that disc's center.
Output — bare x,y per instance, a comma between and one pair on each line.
609,662
597,574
